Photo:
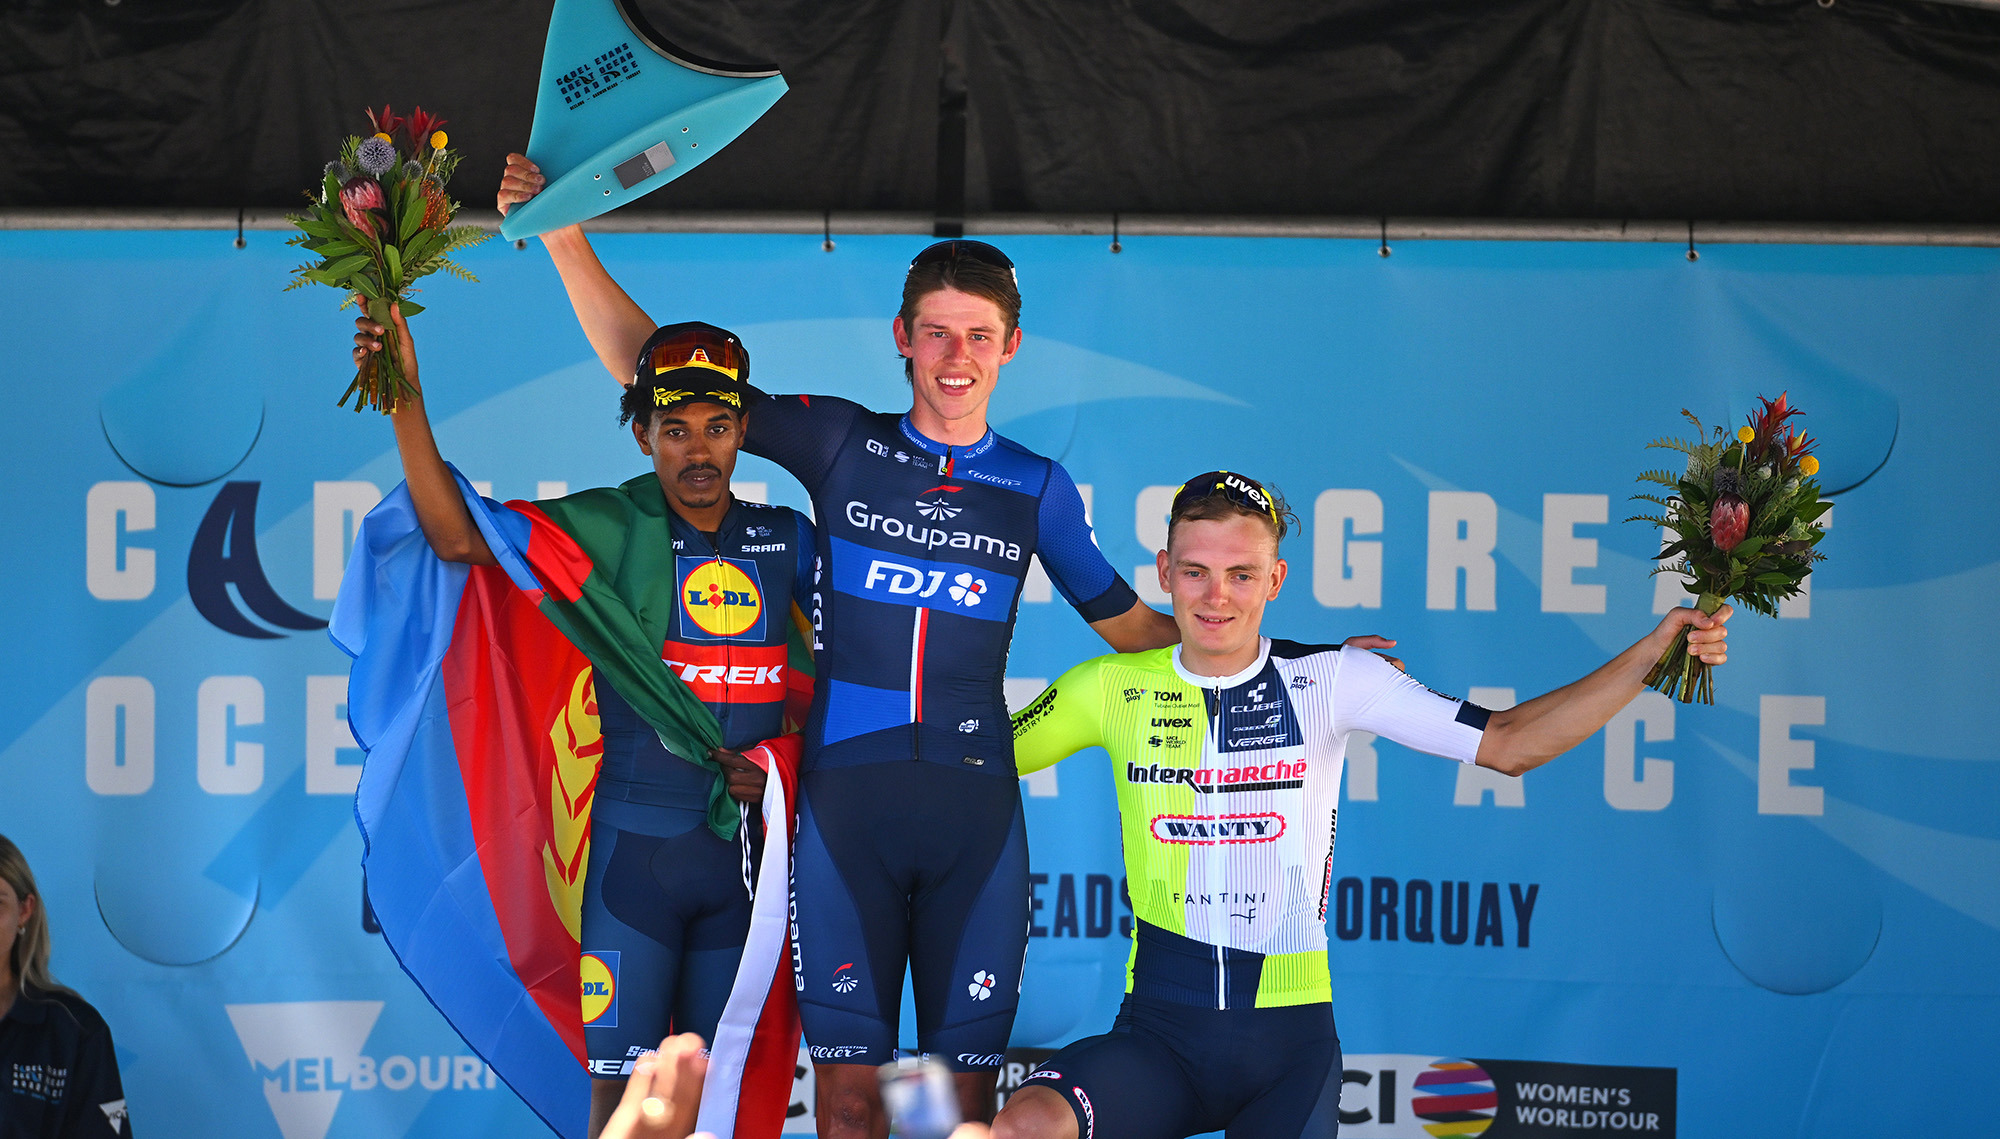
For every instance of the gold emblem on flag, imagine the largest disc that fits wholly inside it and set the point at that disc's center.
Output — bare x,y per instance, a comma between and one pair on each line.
579,748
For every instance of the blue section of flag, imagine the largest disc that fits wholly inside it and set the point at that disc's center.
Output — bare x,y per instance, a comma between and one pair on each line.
396,614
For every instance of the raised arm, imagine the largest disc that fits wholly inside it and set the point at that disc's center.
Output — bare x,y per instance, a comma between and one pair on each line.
614,323
441,511
1528,735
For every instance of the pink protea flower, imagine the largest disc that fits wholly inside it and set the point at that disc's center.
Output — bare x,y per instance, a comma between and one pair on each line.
359,196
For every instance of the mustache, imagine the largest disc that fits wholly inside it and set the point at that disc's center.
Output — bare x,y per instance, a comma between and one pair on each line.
709,467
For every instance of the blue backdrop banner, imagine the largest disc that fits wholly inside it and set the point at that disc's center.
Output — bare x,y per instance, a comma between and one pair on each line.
1779,915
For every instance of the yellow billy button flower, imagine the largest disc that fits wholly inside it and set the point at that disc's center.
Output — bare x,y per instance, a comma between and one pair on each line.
438,140
1745,434
383,135
1809,466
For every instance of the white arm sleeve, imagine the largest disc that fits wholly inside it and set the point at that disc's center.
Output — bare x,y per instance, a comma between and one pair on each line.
1372,695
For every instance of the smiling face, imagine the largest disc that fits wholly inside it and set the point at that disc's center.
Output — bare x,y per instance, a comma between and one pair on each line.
694,447
1220,573
956,343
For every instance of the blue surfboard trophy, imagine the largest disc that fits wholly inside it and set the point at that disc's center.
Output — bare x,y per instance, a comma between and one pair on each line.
622,111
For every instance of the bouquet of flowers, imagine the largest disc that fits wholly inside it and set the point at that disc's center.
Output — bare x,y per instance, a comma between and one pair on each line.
1743,517
379,220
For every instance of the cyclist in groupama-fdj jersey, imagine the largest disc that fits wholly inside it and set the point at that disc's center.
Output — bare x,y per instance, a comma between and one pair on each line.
1227,753
912,851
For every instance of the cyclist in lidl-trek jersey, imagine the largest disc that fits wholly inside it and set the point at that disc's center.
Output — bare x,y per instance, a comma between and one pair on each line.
1226,752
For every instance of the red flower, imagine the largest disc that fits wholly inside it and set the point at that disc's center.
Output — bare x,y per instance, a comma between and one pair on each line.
359,196
388,122
421,124
1768,422
1729,522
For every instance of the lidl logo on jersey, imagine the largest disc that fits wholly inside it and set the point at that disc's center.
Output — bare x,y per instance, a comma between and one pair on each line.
599,968
721,599
307,1056
1394,1096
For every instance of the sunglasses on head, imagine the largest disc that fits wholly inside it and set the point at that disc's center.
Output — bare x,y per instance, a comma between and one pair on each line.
971,250
698,348
1238,489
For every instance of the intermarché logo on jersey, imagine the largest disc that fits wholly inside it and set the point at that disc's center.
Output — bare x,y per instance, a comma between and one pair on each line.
1277,776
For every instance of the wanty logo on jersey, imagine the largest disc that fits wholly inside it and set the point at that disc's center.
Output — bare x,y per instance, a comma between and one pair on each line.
1218,830
307,1054
720,597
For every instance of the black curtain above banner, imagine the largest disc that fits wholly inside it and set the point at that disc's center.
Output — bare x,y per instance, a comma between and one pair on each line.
1784,110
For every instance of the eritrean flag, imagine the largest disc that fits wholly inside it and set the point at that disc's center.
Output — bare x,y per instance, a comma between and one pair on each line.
472,692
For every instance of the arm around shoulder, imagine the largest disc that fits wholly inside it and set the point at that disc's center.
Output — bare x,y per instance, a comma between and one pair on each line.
1138,629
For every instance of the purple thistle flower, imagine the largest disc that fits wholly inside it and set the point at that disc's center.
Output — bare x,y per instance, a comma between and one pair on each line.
375,155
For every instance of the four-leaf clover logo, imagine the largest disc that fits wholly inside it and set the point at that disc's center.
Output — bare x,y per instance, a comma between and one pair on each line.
965,589
981,987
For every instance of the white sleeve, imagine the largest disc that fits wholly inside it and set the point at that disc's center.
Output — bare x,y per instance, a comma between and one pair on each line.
1372,695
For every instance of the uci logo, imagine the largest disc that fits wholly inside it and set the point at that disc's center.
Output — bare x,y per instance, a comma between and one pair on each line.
719,596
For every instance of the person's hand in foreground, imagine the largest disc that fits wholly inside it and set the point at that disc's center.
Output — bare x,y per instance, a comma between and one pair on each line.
663,1095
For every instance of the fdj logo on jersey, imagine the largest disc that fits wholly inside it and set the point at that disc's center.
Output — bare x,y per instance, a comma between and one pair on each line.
720,599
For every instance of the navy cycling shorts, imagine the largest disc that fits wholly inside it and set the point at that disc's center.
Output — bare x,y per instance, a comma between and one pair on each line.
664,920
919,863
1167,1070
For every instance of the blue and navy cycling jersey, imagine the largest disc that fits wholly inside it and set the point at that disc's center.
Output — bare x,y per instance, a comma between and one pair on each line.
728,640
923,549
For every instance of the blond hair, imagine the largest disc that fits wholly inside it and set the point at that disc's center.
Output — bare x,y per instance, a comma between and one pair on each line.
29,955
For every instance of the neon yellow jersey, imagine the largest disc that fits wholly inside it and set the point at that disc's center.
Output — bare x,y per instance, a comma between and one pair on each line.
1228,789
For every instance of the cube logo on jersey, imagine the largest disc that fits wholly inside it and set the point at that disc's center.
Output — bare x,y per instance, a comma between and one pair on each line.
600,987
720,599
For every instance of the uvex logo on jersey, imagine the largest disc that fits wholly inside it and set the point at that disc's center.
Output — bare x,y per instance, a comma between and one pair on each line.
1214,830
1278,776
730,674
721,599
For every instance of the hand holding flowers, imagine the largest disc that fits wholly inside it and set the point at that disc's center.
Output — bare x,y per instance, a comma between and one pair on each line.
1744,519
378,222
